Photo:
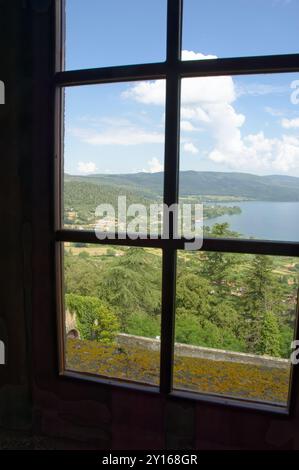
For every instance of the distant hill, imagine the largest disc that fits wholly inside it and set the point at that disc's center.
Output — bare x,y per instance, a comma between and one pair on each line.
200,183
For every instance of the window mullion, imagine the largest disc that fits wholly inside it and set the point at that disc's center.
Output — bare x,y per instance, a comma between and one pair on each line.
114,74
171,177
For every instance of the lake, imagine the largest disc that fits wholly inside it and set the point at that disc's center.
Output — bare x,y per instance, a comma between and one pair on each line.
260,219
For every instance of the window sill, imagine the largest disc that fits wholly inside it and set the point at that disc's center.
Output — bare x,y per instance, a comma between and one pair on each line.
209,399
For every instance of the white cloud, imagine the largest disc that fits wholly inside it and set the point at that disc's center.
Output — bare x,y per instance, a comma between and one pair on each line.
154,166
210,102
290,123
125,135
187,126
87,167
257,153
197,114
95,121
191,55
190,148
152,92
194,90
257,89
273,112
208,90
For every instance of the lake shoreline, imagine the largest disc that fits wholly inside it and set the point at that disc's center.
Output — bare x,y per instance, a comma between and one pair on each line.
262,219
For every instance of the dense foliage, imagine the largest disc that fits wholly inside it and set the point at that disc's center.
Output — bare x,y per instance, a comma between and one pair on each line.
81,199
205,183
94,319
227,301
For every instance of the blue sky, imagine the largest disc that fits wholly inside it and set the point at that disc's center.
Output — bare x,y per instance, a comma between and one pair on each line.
228,123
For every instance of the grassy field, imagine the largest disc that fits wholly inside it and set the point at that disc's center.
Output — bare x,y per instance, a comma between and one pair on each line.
283,266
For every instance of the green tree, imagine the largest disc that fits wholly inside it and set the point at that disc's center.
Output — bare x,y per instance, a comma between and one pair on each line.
142,324
95,320
217,267
193,295
132,284
82,275
286,337
269,341
191,330
261,299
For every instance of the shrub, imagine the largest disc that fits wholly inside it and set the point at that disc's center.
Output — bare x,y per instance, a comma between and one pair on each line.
95,320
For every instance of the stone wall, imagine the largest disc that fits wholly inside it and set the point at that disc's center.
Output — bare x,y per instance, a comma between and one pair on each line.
187,350
204,353
70,323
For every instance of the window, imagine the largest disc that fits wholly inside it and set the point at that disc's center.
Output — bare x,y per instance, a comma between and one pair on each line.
226,27
216,323
102,24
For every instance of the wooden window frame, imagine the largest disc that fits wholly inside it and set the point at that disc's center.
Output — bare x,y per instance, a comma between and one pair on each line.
172,71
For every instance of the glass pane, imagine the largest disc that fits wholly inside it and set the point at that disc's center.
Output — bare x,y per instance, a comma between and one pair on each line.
240,154
235,320
113,311
114,32
114,147
236,28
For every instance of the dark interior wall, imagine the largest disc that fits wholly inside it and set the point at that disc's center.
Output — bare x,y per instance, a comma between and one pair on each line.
15,136
34,400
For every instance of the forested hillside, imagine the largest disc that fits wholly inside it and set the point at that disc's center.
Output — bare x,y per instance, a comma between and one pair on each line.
82,197
236,302
242,185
